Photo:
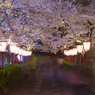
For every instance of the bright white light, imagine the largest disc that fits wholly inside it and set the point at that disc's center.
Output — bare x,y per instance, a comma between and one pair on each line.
20,51
27,53
86,45
3,46
24,53
0,47
79,48
66,52
17,50
71,52
75,51
12,48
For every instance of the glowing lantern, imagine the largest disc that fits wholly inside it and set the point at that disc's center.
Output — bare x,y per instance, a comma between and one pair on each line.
71,52
3,46
12,50
86,45
75,51
17,50
0,47
79,48
29,53
66,52
20,52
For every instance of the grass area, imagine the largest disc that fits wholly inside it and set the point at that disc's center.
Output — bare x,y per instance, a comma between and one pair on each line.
10,74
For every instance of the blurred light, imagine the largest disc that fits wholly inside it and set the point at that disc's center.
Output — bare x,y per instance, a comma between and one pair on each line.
71,52
75,51
17,50
20,52
12,48
86,45
3,46
79,48
66,52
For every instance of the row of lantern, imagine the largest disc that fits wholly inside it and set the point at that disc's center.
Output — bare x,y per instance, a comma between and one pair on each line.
14,50
79,49
18,51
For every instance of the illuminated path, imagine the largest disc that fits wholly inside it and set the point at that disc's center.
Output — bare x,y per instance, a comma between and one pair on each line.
50,79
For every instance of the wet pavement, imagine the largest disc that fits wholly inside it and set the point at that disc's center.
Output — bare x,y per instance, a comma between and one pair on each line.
50,79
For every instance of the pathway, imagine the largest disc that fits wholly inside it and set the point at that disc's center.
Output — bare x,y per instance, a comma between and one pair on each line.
50,79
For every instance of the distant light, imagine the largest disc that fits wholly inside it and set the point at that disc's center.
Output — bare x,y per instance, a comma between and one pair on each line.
86,45
66,52
3,46
12,48
79,48
75,51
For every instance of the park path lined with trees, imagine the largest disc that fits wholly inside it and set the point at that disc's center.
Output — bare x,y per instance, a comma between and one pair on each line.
50,79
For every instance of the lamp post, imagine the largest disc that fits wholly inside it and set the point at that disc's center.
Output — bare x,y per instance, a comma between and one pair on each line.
79,50
66,52
72,54
26,53
87,46
75,53
12,50
3,46
69,54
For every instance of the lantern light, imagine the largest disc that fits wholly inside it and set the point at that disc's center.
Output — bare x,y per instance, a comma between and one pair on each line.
0,47
12,48
17,50
75,51
71,52
24,53
3,46
29,53
86,45
79,48
20,52
66,52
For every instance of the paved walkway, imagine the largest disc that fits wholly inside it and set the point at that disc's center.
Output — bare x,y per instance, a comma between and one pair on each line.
50,79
